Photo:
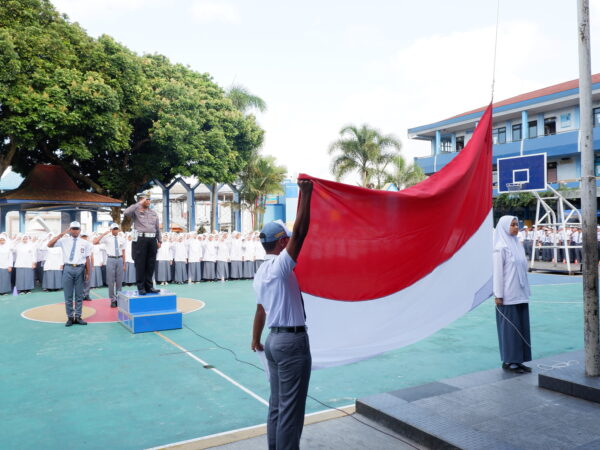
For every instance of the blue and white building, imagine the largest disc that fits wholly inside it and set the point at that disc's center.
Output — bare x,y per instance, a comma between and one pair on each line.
543,121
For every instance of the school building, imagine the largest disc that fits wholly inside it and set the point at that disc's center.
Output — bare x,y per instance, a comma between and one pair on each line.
543,121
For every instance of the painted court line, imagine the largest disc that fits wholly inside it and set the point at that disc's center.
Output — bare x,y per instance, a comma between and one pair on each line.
217,371
240,434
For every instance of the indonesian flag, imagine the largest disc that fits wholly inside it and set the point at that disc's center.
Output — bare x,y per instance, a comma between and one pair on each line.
381,270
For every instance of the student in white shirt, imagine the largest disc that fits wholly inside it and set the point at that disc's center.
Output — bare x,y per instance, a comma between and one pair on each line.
209,257
130,263
248,257
25,263
76,254
164,261
511,290
6,265
180,257
53,269
236,256
195,258
222,258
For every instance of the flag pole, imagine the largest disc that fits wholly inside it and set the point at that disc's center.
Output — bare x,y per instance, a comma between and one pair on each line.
589,204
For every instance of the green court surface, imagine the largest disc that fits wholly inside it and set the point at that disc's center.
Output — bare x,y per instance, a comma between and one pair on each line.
100,386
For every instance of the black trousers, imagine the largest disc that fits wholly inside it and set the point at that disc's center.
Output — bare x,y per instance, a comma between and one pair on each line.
143,252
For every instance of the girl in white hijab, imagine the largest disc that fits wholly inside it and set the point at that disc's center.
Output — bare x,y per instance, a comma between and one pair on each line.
511,292
6,265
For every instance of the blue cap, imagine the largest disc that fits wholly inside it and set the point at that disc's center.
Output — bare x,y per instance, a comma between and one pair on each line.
273,231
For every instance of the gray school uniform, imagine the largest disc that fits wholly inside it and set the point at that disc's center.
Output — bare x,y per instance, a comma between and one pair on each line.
180,275
5,281
96,279
222,268
25,280
75,252
248,269
163,271
52,279
208,270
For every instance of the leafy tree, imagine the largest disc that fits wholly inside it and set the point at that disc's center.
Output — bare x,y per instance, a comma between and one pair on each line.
112,119
364,150
51,100
403,174
260,177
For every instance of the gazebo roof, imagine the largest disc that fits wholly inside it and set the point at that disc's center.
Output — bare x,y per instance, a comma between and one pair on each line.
50,186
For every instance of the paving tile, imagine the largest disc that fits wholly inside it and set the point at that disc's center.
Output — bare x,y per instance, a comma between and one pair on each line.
572,435
424,391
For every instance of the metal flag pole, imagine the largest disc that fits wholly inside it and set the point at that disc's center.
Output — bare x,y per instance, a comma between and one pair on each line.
589,203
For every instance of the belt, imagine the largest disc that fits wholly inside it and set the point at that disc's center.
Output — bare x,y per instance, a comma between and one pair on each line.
149,235
115,257
301,329
75,265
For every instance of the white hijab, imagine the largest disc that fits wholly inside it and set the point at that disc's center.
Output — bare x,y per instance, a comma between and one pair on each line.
503,239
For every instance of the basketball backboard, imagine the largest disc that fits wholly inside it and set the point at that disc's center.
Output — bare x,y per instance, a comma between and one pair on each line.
522,173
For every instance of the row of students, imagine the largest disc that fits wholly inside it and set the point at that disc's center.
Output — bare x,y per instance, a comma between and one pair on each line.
25,260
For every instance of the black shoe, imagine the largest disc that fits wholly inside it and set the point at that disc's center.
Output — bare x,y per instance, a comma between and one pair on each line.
153,291
113,304
141,292
69,322
87,299
515,368
524,367
505,366
79,321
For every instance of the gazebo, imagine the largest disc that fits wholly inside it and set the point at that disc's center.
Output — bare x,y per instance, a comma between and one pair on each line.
49,188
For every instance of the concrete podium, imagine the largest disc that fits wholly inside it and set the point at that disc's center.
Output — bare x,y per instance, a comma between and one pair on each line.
150,312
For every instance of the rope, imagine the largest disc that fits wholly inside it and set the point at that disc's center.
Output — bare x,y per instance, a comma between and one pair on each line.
495,49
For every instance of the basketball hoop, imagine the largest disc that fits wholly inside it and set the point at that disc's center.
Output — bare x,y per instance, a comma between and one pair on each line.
516,186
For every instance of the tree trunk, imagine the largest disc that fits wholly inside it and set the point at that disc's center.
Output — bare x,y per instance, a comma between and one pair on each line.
6,160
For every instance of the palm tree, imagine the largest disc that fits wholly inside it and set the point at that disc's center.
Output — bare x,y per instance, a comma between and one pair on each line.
260,177
364,150
244,100
403,174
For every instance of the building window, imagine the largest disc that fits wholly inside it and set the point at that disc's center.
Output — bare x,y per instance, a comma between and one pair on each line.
446,145
549,126
499,135
460,143
516,132
565,120
532,129
597,117
552,172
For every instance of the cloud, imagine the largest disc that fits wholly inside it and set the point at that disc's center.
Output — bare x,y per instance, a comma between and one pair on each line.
211,11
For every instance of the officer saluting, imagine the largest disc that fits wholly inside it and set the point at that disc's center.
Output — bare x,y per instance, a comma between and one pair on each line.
146,242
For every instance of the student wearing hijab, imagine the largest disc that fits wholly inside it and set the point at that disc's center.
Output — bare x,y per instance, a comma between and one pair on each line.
209,257
222,263
195,258
511,290
53,269
25,258
162,273
6,263
130,269
248,256
96,279
180,256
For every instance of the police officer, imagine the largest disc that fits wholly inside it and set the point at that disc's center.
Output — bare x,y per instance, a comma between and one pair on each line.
76,253
146,242
114,246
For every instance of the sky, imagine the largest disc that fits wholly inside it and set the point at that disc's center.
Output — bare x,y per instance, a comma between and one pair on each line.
322,65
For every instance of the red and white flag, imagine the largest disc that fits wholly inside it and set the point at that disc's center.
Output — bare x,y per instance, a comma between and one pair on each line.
380,270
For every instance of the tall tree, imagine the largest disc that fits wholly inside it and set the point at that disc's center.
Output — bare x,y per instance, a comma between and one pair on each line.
112,119
260,177
362,150
403,174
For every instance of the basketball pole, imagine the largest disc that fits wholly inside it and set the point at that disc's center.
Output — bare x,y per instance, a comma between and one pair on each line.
589,204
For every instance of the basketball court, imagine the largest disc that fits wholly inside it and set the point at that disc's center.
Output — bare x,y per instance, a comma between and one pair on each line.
99,386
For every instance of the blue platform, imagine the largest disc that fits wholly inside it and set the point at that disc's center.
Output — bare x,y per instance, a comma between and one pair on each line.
150,312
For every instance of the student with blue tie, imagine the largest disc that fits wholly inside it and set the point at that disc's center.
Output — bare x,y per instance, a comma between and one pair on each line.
76,253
